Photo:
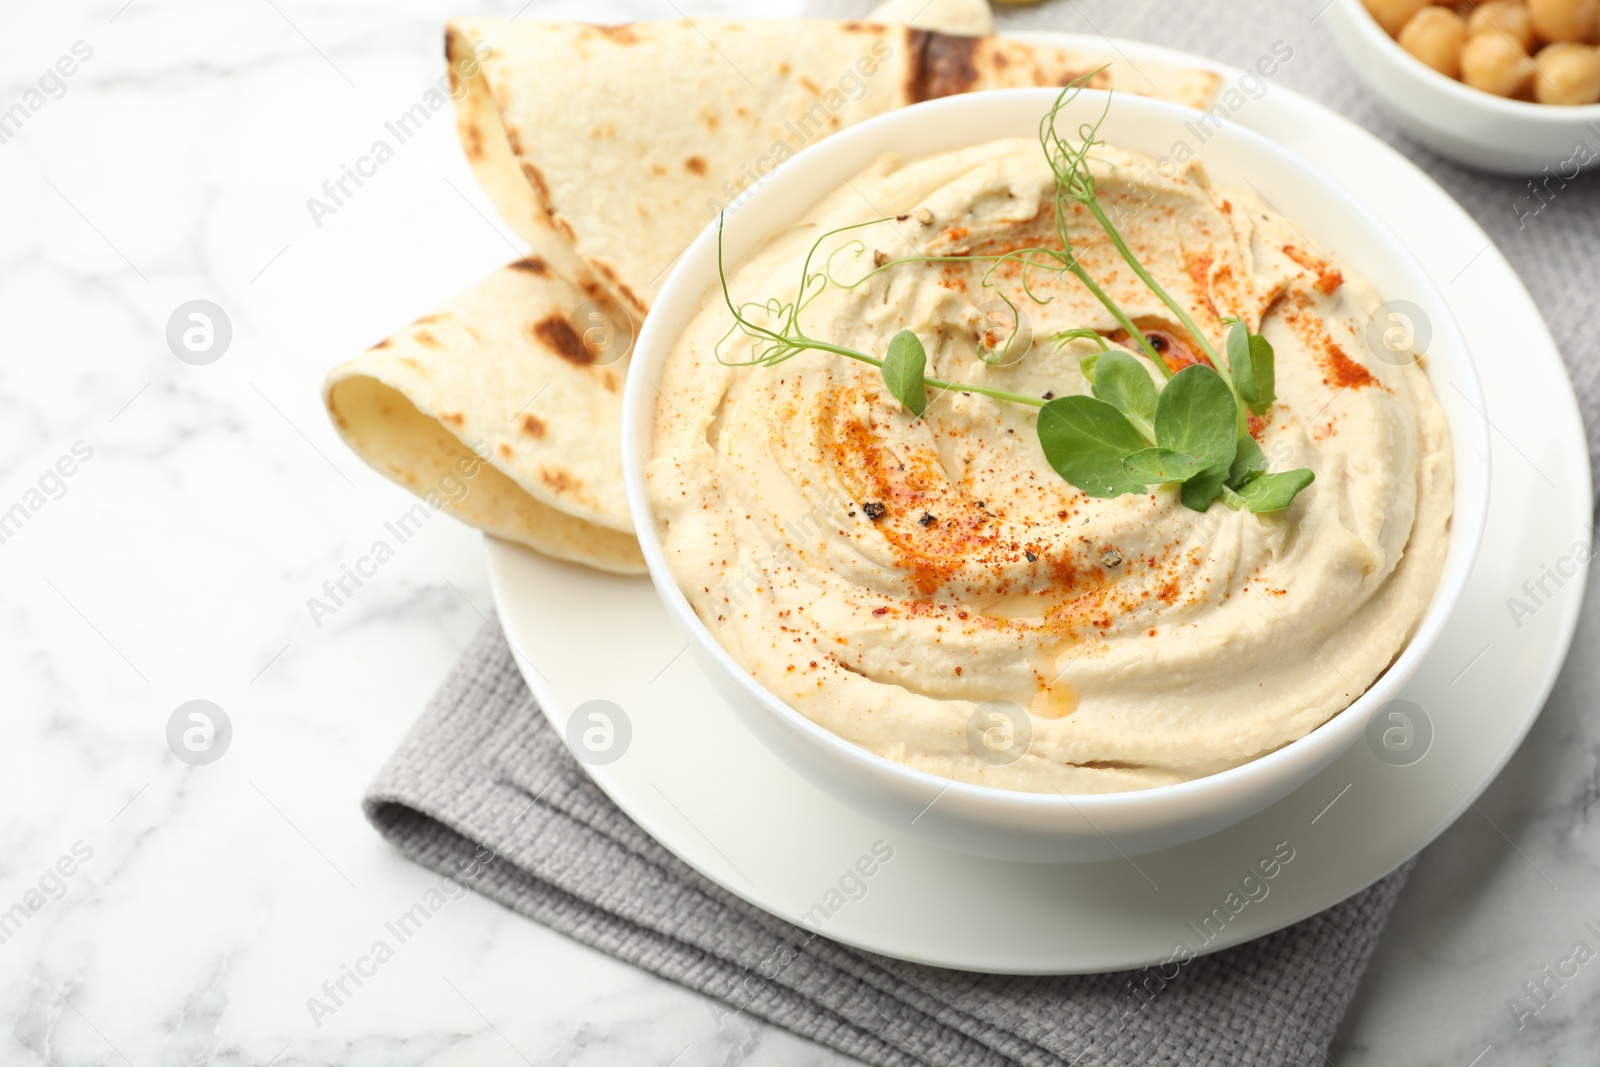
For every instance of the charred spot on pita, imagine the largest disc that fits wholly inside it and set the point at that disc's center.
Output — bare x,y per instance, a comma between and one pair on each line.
941,65
531,172
621,287
558,479
696,165
557,334
532,265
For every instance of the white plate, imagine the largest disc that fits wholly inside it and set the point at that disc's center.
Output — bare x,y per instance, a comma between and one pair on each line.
710,792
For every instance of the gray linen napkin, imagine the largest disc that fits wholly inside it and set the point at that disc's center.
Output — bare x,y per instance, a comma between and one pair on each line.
484,790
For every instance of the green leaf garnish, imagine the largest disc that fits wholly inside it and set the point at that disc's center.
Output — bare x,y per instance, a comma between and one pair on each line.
1153,466
1248,461
1087,364
1121,381
1085,440
1274,492
1198,492
903,370
1264,360
1196,417
1250,359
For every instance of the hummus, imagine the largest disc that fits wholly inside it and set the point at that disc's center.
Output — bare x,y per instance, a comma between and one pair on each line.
933,591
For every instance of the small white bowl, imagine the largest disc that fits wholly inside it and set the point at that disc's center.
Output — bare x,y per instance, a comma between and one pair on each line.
1033,826
1459,122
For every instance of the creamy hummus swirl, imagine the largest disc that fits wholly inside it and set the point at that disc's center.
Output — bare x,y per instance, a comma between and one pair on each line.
890,576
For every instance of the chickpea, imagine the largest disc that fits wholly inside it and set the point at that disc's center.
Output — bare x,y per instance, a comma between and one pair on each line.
1565,20
1509,17
1567,74
1435,36
1494,64
1393,15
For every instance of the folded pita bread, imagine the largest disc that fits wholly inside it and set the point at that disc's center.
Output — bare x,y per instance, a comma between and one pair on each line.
503,382
629,139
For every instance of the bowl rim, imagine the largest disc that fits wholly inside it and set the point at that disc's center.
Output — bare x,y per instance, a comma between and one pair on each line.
1471,442
1558,116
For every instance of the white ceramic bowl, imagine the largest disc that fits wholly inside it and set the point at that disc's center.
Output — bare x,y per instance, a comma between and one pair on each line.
1457,121
1033,826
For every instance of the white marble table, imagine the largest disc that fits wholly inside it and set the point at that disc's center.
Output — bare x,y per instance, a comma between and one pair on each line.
185,914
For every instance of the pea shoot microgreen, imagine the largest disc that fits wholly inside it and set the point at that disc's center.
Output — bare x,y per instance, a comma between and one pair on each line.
1126,434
